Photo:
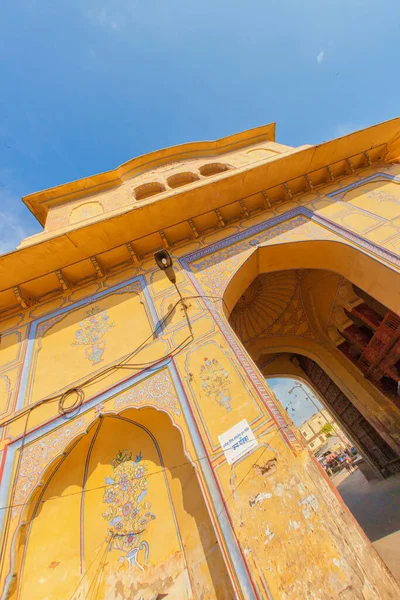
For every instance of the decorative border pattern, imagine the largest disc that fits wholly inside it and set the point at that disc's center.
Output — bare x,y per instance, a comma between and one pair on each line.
356,184
196,400
236,564
383,253
40,326
73,426
246,362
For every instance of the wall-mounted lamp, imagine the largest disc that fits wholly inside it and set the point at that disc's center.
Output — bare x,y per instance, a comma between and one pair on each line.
164,262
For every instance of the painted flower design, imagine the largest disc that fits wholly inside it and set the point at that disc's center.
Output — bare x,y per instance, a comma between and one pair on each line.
139,472
109,496
124,482
92,329
128,511
216,381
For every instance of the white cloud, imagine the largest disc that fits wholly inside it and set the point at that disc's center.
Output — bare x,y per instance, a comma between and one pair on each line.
320,57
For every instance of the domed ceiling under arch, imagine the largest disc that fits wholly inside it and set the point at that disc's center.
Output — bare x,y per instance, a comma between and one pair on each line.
271,306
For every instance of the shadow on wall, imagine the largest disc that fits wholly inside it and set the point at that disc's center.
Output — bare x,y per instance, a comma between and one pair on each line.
143,495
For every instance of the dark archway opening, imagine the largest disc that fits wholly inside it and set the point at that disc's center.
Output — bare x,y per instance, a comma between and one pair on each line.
345,343
370,443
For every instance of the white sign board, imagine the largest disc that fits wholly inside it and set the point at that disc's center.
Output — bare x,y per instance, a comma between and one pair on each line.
237,441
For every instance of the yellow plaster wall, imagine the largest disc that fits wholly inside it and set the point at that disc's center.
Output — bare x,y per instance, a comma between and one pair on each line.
275,498
371,209
228,398
122,195
54,536
103,325
176,563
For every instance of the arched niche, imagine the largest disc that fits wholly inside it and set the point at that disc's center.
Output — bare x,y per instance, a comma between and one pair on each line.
261,153
210,169
148,189
180,179
120,513
87,210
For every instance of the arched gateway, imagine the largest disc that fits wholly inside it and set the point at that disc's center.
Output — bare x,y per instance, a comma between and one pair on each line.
316,324
143,454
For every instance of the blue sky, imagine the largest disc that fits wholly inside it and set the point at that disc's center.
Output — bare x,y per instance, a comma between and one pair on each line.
87,85
298,406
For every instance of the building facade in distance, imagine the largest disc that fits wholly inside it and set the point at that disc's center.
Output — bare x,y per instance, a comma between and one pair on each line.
316,433
142,453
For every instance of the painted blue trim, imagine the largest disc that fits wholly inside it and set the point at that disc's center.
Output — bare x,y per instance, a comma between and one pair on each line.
240,236
42,492
82,507
356,184
309,214
21,400
206,342
343,232
208,474
219,505
205,467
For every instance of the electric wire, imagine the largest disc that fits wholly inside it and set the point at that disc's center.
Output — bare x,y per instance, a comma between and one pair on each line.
109,541
62,396
248,472
105,543
234,491
158,472
99,572
66,409
224,502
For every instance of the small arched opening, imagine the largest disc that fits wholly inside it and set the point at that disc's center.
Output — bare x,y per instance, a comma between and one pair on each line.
180,179
211,169
148,189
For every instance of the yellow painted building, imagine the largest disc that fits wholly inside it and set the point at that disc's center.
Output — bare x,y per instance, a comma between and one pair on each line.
143,454
315,433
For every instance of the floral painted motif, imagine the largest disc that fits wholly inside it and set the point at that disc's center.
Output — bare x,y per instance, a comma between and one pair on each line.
158,390
37,456
92,329
215,382
382,196
216,268
128,513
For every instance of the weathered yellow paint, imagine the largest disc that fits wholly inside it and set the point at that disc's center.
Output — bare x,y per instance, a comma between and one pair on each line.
267,526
